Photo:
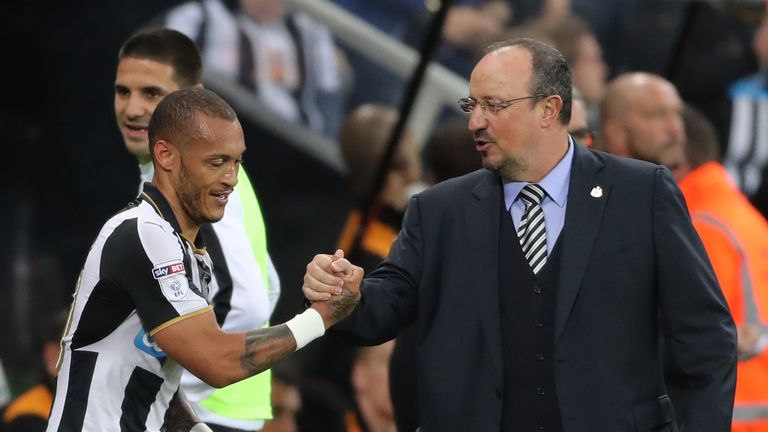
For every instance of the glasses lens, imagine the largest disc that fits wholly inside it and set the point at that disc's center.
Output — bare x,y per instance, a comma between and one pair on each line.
466,104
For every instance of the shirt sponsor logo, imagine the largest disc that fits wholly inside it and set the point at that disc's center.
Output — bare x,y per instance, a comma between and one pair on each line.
147,344
163,270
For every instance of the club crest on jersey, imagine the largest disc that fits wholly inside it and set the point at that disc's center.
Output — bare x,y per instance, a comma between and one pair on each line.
147,344
169,269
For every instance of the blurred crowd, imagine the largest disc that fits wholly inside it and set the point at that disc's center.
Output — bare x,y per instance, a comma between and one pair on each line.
682,84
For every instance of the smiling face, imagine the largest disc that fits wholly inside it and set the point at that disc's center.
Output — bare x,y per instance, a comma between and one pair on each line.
140,85
206,169
505,139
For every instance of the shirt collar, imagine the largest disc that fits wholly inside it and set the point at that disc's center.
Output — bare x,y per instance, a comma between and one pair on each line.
152,195
555,183
155,198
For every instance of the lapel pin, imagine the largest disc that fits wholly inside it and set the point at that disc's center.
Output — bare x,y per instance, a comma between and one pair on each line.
596,192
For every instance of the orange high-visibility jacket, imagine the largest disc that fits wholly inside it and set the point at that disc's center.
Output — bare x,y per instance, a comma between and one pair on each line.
735,236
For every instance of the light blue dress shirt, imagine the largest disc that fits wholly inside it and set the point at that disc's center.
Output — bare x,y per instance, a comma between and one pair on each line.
555,183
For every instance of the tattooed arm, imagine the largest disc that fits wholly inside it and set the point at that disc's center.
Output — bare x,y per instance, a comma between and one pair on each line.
219,359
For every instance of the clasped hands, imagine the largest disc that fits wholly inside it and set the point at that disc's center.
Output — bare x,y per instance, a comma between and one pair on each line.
332,284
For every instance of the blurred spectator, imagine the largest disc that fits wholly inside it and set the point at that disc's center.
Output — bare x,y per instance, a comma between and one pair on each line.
746,156
450,152
286,401
363,140
29,412
608,20
573,38
470,26
286,58
370,377
641,119
735,235
578,126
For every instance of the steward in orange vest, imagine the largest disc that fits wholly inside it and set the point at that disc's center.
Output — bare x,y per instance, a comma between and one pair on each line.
735,235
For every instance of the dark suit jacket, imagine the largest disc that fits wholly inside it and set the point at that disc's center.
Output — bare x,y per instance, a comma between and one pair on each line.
632,269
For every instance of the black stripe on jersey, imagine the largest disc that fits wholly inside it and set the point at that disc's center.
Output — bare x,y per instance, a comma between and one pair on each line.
125,263
78,389
140,394
223,298
107,307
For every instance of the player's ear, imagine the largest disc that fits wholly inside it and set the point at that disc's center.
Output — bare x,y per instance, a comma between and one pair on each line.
164,154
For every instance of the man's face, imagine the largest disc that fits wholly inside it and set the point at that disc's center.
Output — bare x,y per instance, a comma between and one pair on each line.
760,41
140,85
505,138
207,167
653,125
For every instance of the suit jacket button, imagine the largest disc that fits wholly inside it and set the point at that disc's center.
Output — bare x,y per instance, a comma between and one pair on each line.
499,393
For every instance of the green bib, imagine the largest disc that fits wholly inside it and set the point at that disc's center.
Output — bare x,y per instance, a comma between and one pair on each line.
249,399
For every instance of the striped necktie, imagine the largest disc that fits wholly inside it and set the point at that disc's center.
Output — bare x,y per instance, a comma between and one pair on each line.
532,231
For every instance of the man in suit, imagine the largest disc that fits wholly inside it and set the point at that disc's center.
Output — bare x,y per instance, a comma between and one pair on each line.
547,284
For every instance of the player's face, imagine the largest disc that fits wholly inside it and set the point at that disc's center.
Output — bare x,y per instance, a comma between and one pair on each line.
209,164
140,85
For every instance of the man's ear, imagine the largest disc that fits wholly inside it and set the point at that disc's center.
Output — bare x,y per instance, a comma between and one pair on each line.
165,154
552,107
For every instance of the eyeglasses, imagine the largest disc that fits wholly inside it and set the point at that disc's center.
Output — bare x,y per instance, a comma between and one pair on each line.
583,135
468,104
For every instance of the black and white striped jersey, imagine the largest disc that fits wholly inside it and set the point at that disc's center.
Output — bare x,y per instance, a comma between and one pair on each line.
141,276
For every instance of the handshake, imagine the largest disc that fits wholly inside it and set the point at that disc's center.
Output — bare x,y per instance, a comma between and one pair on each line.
332,284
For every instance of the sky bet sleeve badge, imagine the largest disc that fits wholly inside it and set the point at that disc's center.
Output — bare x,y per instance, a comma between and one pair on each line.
172,279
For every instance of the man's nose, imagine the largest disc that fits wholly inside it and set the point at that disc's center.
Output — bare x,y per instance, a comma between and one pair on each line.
135,107
477,119
229,177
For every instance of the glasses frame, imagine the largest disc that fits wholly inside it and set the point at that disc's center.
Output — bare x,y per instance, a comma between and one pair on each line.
490,106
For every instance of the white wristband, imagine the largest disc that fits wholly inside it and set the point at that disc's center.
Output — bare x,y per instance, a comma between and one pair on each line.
306,327
200,427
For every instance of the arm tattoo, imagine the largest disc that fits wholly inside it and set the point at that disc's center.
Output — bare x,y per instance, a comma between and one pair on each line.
342,305
264,347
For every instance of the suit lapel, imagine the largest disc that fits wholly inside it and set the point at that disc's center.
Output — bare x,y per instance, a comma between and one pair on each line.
588,192
482,221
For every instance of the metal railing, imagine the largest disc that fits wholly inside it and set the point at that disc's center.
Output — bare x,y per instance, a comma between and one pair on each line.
440,88
295,134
